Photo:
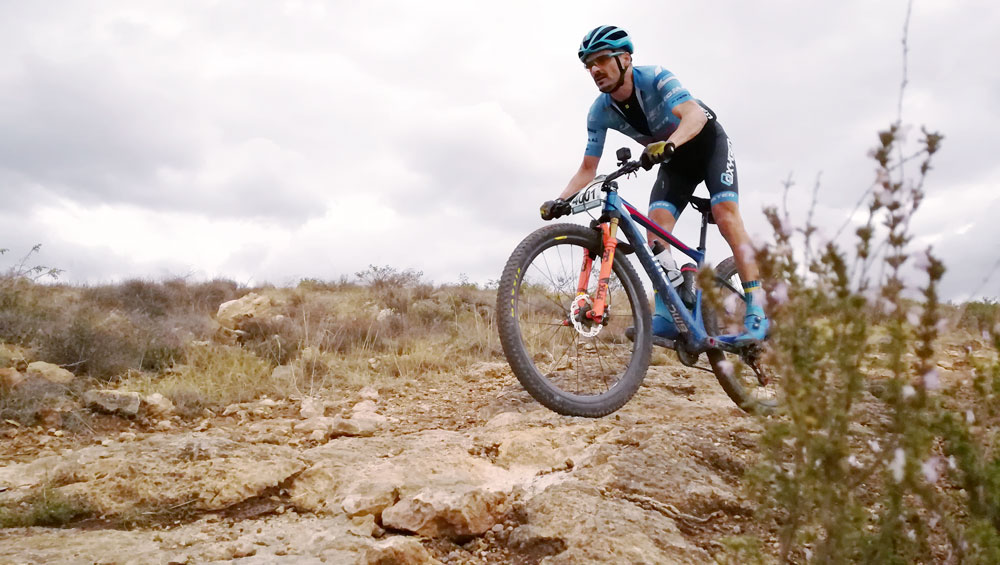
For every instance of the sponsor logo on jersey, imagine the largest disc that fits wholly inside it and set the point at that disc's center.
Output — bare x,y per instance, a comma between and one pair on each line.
729,176
664,81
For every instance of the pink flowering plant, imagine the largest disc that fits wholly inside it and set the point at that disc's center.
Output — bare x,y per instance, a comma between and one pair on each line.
874,457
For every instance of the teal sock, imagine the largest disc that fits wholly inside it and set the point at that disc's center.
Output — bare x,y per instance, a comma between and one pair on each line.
754,295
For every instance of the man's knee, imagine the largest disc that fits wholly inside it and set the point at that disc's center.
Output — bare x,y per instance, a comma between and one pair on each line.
727,217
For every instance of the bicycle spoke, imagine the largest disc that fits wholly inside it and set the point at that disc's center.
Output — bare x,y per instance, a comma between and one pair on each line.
604,371
555,287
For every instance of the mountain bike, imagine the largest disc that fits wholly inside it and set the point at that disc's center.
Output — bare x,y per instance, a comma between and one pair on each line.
575,322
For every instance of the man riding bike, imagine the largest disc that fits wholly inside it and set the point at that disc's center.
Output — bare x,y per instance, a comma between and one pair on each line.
680,133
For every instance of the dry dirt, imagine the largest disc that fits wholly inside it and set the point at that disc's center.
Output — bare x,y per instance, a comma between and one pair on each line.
466,469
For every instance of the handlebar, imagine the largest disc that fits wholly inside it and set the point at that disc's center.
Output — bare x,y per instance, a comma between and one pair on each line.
626,168
557,208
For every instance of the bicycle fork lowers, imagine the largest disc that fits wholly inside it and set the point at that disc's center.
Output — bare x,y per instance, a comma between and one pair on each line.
595,314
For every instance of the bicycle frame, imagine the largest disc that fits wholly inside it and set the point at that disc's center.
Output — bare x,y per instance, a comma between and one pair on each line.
619,214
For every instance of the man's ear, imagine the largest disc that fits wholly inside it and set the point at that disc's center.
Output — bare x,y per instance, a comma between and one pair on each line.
627,59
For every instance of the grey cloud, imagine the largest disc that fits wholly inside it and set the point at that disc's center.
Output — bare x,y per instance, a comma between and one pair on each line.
491,175
93,133
83,131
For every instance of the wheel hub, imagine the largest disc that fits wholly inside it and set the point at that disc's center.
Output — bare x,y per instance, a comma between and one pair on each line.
578,316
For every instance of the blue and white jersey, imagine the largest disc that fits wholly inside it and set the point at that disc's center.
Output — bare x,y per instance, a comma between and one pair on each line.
658,92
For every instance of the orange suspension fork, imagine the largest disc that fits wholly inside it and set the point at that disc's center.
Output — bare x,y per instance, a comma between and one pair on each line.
609,234
581,286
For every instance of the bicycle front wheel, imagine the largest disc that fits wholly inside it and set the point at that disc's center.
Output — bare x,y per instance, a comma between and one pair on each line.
746,378
564,360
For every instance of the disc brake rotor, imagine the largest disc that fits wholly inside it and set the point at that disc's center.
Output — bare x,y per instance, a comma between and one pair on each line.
585,327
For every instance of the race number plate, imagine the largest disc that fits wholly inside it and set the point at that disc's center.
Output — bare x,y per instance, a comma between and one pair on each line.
590,197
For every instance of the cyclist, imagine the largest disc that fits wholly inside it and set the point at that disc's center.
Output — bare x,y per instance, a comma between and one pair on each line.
649,105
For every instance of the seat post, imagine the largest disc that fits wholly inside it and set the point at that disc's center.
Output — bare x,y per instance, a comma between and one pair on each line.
704,231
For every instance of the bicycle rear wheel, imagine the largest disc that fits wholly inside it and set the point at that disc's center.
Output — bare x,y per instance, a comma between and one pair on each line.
581,369
744,377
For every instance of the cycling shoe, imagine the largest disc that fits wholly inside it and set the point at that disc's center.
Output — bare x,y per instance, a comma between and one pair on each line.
756,326
756,323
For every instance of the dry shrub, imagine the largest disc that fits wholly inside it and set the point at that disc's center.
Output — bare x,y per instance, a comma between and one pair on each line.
106,345
34,400
134,295
107,330
980,316
329,286
156,337
213,376
25,308
276,339
205,296
158,299
393,288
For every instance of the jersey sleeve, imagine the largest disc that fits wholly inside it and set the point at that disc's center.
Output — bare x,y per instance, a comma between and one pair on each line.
597,131
670,88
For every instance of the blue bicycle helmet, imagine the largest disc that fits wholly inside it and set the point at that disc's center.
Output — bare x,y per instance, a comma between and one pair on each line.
604,37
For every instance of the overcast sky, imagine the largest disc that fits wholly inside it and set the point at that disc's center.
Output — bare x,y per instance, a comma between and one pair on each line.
273,141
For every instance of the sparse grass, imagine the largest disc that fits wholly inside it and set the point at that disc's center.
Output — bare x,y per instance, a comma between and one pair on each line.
214,375
48,508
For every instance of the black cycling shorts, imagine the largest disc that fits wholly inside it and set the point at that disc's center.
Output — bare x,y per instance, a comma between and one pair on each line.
707,157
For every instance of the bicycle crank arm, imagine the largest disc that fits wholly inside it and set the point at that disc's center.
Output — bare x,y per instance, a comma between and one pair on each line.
664,342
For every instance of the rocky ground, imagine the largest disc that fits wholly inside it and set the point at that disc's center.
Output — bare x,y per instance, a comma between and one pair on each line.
468,469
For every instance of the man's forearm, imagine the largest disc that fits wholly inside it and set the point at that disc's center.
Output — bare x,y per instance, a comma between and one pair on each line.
685,132
692,122
579,180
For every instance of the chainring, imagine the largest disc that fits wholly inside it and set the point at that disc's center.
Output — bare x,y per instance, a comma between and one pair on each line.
686,358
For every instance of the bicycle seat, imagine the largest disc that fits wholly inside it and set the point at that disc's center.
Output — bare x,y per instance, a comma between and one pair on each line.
703,205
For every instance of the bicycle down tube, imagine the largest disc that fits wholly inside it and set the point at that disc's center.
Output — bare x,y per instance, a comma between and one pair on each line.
685,320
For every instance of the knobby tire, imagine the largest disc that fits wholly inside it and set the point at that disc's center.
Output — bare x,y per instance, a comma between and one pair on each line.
514,302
